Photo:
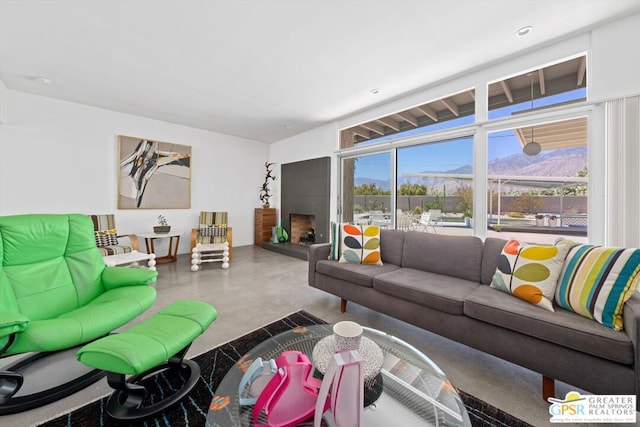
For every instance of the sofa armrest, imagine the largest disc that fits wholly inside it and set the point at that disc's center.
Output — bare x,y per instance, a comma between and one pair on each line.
631,322
116,277
317,252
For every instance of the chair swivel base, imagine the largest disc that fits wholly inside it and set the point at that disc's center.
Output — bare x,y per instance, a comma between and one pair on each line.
126,403
12,379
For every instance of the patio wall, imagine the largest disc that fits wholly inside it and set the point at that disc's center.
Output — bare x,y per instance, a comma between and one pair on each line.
547,204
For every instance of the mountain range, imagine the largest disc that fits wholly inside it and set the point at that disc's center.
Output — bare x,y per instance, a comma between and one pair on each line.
566,162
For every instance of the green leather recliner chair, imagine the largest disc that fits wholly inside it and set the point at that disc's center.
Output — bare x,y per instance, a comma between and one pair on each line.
55,294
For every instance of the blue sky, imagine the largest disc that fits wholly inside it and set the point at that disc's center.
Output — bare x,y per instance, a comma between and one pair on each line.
452,154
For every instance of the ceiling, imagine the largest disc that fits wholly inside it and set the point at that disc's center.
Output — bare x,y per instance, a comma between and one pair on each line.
266,69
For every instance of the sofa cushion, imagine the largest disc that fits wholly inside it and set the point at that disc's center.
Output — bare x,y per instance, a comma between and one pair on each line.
359,274
561,327
455,256
431,290
391,244
530,272
596,281
490,257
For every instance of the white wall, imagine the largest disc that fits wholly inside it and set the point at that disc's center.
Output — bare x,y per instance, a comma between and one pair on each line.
57,156
3,103
616,59
612,72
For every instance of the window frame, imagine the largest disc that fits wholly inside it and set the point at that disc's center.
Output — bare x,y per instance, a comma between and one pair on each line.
479,132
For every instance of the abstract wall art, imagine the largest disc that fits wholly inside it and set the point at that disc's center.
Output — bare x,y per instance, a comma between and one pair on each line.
153,174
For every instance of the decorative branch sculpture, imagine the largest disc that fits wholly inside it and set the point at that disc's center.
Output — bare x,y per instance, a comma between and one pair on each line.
265,191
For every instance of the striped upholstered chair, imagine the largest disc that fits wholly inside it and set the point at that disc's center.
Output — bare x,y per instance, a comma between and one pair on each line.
213,228
108,239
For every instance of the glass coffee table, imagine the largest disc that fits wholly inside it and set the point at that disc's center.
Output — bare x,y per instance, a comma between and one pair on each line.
410,390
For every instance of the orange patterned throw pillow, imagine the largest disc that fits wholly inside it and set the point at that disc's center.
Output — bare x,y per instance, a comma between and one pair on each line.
360,244
530,272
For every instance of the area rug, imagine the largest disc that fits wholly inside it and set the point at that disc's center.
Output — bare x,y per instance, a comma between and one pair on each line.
192,411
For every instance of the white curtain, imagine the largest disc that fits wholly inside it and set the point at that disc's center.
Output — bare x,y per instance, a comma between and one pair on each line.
622,142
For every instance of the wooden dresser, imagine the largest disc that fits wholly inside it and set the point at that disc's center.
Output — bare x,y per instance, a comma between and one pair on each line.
265,220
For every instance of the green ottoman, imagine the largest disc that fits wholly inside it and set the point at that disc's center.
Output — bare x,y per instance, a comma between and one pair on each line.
157,344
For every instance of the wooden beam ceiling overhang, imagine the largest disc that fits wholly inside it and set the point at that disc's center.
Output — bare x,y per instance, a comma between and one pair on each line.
555,135
422,115
582,71
507,90
547,81
541,82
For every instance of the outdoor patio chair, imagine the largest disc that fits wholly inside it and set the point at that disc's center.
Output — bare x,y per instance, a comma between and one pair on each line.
425,222
436,217
405,221
379,219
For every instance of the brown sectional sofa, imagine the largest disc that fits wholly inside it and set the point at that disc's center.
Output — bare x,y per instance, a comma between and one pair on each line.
440,283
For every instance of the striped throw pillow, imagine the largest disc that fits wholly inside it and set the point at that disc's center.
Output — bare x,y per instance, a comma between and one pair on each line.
336,238
596,281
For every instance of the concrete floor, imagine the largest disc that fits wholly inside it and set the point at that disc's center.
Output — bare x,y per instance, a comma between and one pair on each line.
262,286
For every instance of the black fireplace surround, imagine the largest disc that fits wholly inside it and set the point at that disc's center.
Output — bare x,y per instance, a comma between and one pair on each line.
304,190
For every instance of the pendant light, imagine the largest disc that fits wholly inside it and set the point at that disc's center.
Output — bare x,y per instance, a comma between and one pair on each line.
531,148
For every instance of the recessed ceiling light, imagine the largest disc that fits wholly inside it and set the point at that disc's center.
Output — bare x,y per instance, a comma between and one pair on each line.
44,80
375,91
524,31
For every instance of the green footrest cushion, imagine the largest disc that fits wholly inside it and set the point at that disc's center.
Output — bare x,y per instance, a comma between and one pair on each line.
151,342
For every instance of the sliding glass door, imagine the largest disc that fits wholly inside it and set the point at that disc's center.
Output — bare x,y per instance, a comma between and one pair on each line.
434,186
366,189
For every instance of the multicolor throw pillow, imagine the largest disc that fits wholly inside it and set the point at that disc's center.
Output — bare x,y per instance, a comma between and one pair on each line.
359,244
530,272
596,281
106,238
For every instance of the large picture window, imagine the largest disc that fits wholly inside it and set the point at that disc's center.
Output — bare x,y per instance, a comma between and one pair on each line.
435,186
543,196
527,161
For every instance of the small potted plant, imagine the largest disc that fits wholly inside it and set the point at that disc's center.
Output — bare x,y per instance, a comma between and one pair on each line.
163,226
